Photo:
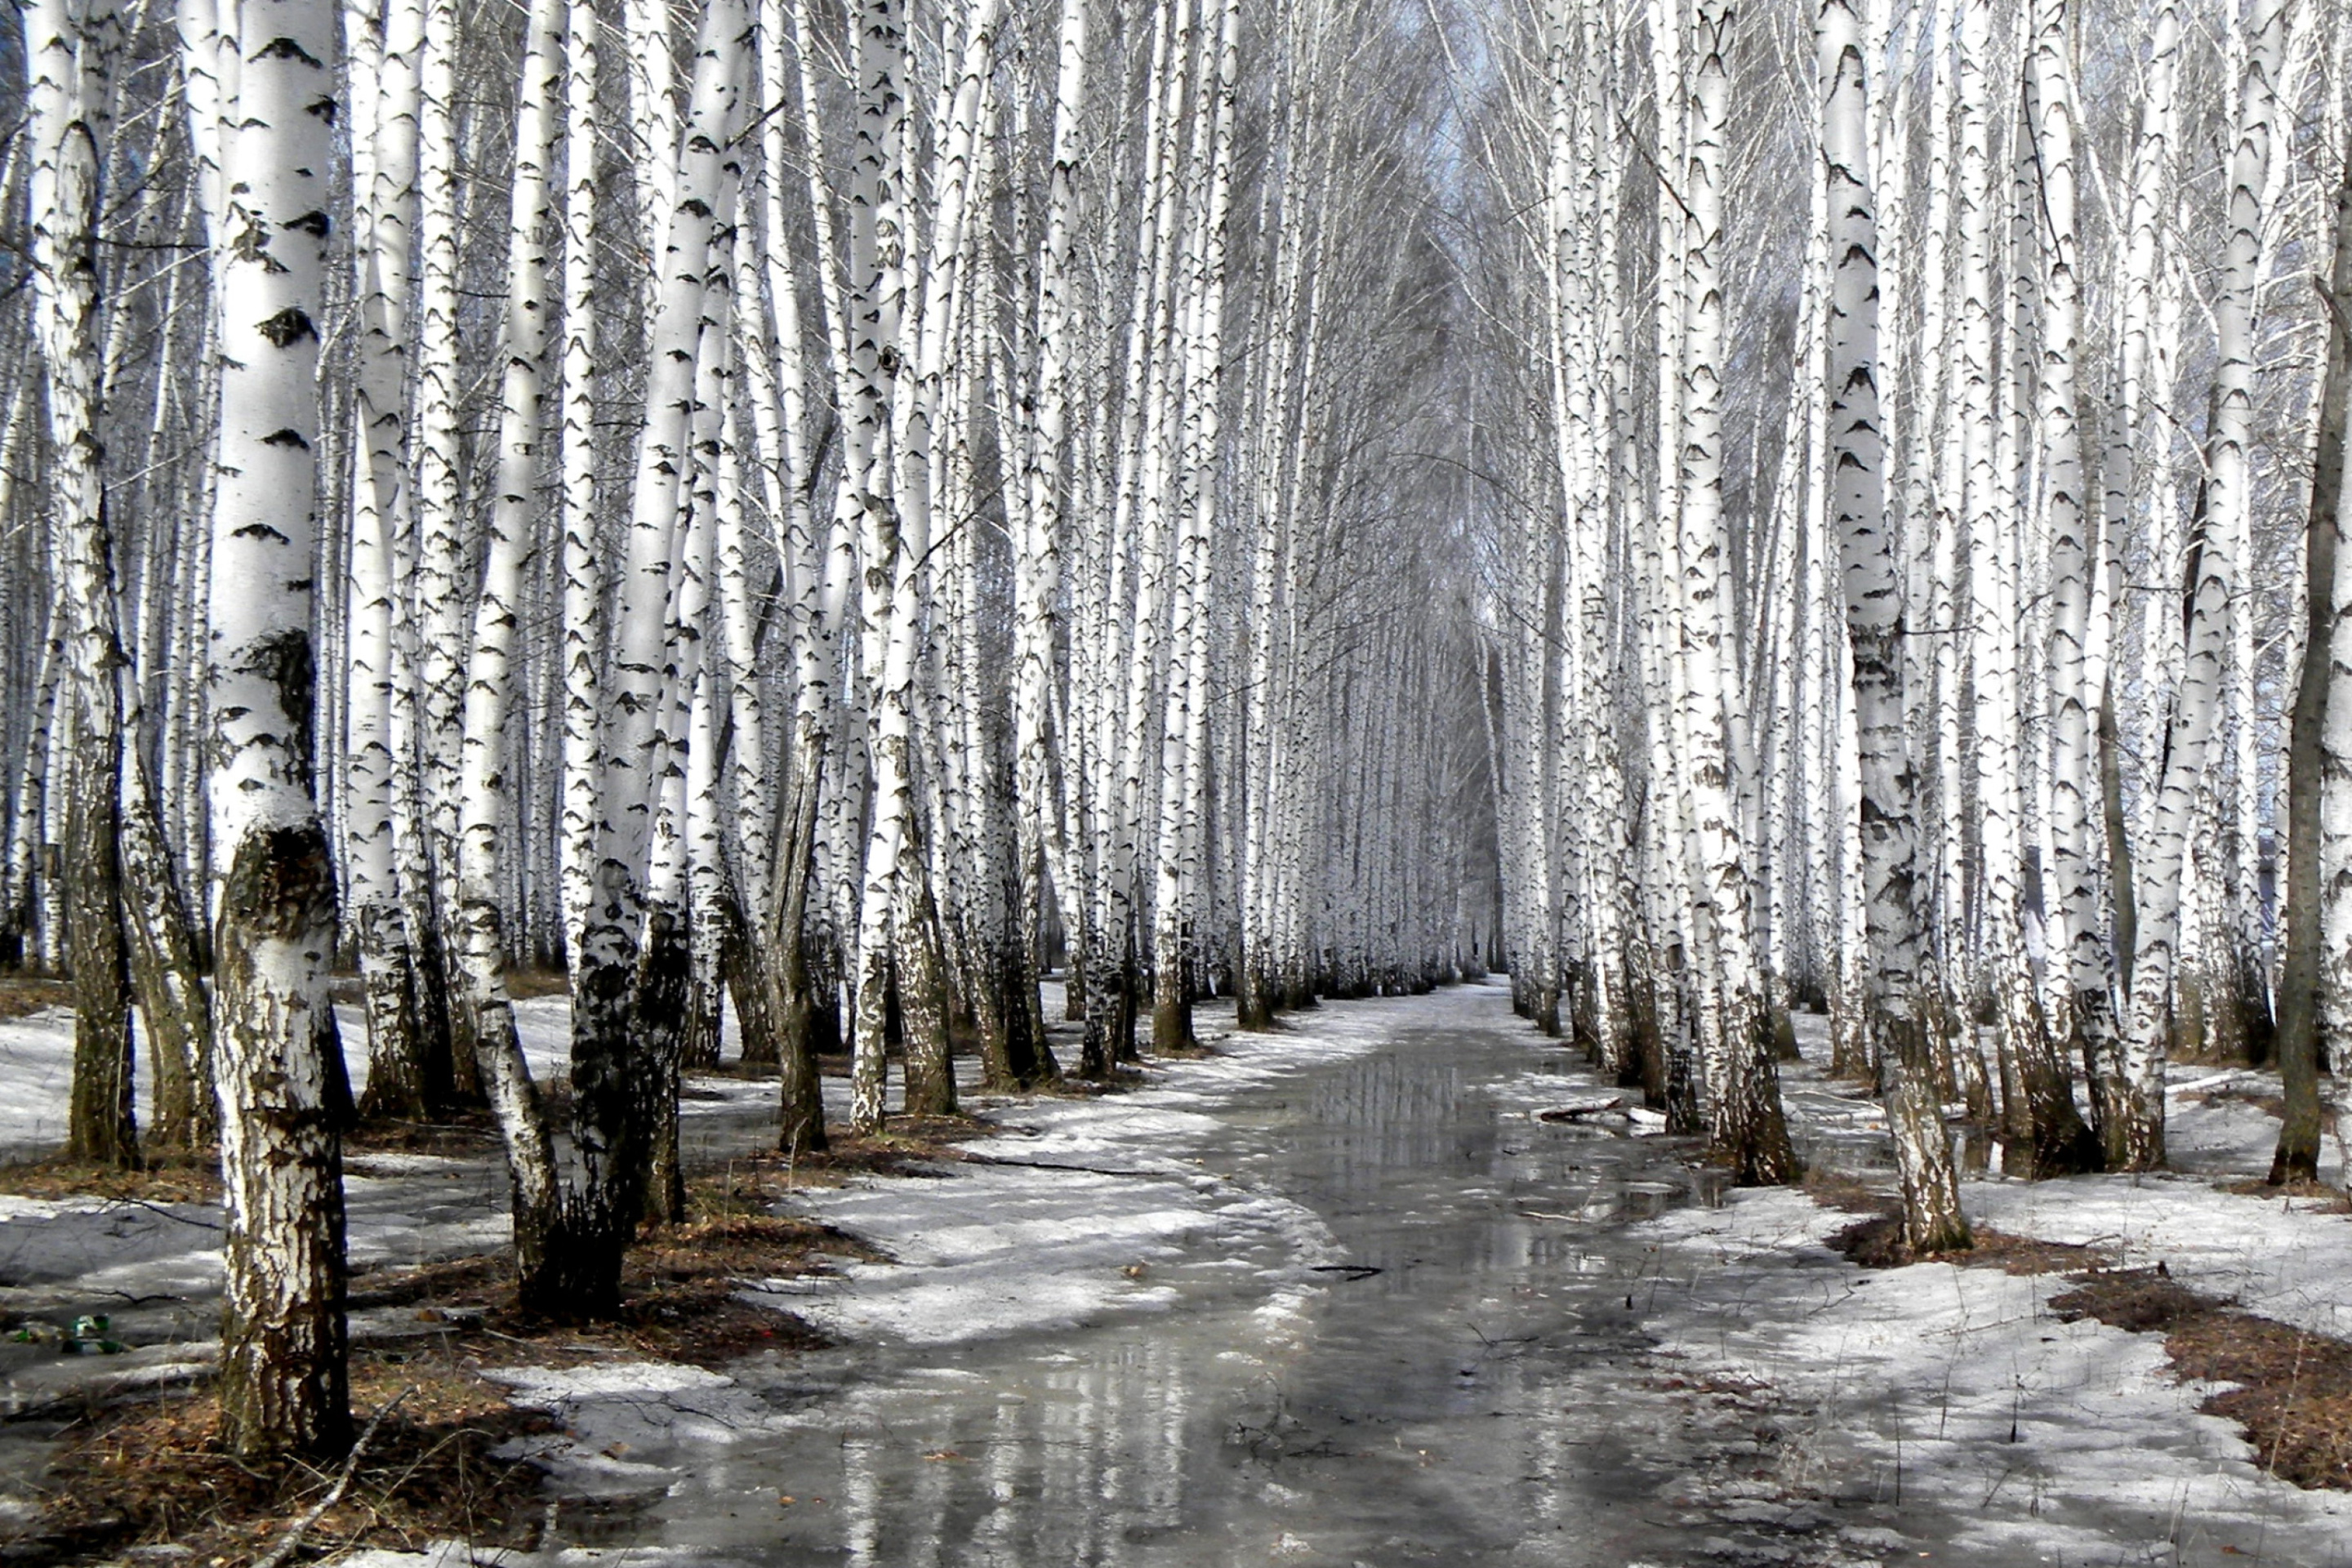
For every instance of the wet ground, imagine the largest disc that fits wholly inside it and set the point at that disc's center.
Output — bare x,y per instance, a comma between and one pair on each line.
1338,1296
1468,1383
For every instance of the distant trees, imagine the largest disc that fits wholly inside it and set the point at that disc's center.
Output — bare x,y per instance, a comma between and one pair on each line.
1990,515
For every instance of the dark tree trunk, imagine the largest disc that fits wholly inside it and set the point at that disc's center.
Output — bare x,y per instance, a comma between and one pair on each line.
658,1027
1253,1001
166,971
744,960
449,1085
702,1015
800,1000
1171,1000
923,998
2299,1040
1105,1015
282,1382
100,1129
404,1080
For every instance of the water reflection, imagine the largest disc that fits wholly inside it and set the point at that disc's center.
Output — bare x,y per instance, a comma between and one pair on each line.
1438,1409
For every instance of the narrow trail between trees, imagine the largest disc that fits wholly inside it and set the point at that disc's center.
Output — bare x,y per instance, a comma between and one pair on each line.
1374,1313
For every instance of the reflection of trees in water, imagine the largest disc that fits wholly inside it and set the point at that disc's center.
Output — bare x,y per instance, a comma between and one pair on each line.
1081,1463
1389,1113
1432,1403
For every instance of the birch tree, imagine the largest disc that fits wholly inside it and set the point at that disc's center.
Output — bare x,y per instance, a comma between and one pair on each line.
282,1380
1932,1221
69,52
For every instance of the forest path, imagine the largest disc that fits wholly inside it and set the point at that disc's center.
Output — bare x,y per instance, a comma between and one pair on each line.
1399,1320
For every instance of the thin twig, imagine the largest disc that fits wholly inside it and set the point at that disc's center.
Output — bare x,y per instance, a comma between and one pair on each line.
289,1544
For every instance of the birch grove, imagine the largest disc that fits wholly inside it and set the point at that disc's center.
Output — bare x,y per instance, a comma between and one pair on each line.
848,537
1997,564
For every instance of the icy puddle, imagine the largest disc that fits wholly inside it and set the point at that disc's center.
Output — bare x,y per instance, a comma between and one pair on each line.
1338,1297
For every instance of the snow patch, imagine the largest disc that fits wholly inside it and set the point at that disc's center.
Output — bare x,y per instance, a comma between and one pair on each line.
2042,1441
1089,1207
621,1421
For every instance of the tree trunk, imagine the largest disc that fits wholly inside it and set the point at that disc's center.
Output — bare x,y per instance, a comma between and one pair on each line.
282,1379
1932,1221
2133,1132
2312,986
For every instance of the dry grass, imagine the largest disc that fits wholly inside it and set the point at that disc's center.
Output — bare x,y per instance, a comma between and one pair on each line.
1195,1052
677,1295
1838,1190
526,985
193,1175
2308,1197
1727,1388
178,1177
465,1135
2293,1388
752,1184
22,995
150,1471
153,1473
1877,1243
1875,1239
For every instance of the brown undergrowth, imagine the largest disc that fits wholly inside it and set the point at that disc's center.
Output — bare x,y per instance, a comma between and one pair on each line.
149,1471
2292,1389
2308,1197
177,1177
461,1135
1834,1189
1876,1242
193,1175
747,1183
678,1297
154,1475
22,995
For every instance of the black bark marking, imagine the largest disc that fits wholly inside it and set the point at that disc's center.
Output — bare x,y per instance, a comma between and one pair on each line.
285,660
286,48
289,327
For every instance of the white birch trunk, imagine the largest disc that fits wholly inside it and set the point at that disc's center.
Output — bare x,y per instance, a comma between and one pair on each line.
282,1379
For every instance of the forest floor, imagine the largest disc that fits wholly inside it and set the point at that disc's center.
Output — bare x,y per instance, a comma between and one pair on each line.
1218,1319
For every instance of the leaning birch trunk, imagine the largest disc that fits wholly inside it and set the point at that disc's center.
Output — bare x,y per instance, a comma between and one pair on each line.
579,564
69,61
1932,1221
282,1378
478,916
873,306
918,385
782,962
1177,868
437,629
616,1086
2045,1108
2335,767
1037,565
2134,1133
2316,988
408,1070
